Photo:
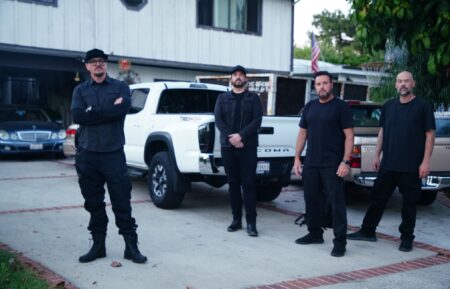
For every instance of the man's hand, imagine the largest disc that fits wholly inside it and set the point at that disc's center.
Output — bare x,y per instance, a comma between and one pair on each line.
239,145
235,139
297,167
118,101
342,170
376,163
424,169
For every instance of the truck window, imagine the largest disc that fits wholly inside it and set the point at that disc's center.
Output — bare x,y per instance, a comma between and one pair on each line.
366,116
443,127
138,98
187,101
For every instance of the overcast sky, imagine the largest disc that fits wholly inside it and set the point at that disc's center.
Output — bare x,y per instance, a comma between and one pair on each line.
304,11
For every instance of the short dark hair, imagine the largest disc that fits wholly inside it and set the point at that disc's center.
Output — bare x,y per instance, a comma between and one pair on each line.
324,72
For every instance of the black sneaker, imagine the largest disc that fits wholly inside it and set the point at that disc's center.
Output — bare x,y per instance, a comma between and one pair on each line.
234,226
361,236
309,239
406,246
338,251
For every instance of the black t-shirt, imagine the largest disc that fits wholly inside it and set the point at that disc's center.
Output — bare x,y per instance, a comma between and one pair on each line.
404,126
325,123
237,112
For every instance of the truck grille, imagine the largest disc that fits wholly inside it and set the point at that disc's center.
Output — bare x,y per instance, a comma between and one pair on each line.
34,136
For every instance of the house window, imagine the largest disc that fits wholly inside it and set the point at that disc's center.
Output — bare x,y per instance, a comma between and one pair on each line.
232,15
43,2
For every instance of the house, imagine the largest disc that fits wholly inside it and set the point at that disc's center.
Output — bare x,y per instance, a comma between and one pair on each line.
42,42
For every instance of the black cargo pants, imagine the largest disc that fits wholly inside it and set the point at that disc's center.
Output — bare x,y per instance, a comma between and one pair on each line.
240,167
94,169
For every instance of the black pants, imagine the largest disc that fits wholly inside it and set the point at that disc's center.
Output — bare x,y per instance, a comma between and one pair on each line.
409,185
94,169
322,186
240,167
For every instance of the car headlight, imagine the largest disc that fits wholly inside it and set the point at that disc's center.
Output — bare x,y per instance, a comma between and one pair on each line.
4,135
13,136
54,135
62,134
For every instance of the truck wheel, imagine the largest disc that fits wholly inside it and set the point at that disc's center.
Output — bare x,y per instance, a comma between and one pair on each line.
166,186
268,192
427,198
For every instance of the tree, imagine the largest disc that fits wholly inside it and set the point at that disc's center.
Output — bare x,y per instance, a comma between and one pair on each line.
422,27
336,29
338,41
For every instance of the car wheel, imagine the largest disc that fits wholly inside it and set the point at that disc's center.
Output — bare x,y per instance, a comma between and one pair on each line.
166,186
268,192
427,198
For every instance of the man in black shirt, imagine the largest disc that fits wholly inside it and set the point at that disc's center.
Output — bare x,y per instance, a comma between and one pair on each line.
99,106
327,125
238,116
406,139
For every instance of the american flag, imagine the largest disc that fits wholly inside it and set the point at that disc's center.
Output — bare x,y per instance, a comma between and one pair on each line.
315,54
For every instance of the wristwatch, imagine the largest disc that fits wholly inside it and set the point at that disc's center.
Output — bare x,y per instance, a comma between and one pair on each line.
346,162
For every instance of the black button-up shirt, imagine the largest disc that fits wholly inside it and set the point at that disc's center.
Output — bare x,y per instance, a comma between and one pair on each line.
101,121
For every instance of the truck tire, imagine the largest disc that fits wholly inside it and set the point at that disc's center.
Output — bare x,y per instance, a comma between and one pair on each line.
166,186
427,198
268,192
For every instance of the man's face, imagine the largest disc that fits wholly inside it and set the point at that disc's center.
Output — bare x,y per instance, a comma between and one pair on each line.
238,79
96,67
323,86
404,83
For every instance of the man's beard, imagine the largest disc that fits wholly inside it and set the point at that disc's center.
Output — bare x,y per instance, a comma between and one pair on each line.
325,96
404,92
99,74
240,85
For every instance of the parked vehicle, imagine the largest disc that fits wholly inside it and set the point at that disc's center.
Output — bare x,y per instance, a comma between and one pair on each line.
366,117
25,129
170,134
69,146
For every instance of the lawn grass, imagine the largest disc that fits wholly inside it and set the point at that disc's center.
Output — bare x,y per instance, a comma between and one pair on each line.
13,275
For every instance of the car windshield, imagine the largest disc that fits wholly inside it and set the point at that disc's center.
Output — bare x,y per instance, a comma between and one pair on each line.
366,115
443,127
22,114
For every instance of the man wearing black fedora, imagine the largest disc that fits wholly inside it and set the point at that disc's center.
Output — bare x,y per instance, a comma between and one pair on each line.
238,116
99,106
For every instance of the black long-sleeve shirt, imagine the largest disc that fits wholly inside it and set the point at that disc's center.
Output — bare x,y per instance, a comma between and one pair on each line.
101,127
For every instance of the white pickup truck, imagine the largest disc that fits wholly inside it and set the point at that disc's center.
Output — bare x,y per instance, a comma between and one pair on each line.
170,134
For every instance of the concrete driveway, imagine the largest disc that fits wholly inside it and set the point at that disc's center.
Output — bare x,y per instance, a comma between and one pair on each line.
42,217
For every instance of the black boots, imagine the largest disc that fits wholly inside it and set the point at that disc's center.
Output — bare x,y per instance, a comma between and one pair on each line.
98,249
235,225
131,249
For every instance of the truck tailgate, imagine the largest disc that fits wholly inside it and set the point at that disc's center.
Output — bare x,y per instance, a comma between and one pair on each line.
366,137
440,158
278,136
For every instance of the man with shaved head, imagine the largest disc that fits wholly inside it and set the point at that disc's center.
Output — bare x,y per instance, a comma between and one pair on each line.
406,139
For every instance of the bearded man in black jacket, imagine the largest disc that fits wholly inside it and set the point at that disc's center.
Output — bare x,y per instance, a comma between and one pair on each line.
238,116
